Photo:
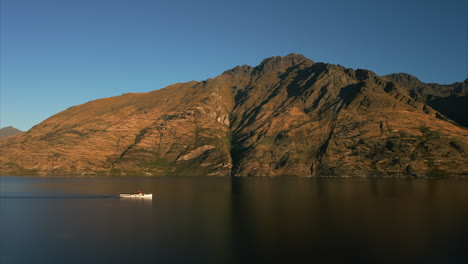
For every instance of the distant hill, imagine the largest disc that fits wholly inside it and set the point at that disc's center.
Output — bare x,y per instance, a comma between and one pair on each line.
8,131
287,116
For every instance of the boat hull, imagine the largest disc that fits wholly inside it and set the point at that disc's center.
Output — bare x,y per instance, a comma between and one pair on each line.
136,195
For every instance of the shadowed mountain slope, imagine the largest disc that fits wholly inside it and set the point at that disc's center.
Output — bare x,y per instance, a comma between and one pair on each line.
451,100
287,116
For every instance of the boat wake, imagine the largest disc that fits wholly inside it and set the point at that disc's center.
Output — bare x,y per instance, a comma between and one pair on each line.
58,196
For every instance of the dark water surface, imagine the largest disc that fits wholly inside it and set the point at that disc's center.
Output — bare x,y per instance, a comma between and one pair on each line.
238,220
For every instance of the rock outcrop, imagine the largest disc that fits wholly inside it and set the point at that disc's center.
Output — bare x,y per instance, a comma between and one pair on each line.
286,116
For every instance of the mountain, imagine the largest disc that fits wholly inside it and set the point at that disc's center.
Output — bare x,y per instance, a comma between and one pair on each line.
451,100
286,116
8,131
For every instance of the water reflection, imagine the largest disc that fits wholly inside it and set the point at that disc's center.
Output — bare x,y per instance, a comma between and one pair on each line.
232,220
337,220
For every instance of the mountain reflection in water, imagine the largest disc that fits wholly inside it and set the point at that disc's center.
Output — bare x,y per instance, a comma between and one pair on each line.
232,220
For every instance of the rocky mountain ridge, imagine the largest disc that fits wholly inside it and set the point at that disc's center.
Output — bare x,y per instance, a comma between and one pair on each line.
286,116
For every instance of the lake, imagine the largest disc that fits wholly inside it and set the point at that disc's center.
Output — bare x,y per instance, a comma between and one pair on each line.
232,220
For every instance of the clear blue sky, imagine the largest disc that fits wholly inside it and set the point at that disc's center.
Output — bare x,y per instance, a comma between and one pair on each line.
58,53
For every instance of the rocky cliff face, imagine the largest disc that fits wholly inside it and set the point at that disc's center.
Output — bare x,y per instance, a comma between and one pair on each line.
287,116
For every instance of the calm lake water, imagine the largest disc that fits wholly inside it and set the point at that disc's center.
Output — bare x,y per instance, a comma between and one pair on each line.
232,220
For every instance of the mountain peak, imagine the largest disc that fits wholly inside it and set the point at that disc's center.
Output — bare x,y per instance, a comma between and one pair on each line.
271,64
239,70
278,62
403,78
292,57
8,131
